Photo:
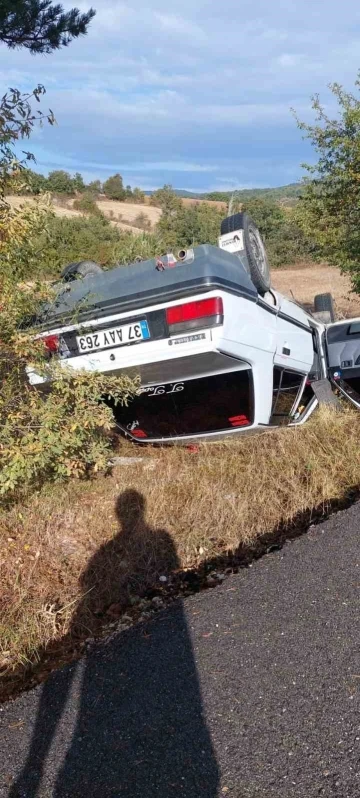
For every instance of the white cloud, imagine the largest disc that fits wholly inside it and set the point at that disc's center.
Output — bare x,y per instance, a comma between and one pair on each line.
174,24
165,90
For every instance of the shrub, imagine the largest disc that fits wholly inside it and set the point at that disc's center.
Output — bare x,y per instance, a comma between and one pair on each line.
286,241
329,209
87,204
138,197
21,230
113,188
72,239
142,221
166,199
183,226
94,187
60,182
54,435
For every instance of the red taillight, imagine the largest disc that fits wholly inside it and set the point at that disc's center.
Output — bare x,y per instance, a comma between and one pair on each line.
191,311
239,421
138,433
51,343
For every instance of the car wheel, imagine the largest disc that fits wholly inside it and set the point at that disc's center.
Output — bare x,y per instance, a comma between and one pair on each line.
255,251
82,268
324,303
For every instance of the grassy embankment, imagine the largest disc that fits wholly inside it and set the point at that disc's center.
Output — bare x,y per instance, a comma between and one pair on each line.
72,551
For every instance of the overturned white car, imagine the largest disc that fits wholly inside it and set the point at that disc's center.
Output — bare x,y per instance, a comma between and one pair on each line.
218,351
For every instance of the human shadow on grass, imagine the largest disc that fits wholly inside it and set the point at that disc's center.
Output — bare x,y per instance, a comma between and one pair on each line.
140,728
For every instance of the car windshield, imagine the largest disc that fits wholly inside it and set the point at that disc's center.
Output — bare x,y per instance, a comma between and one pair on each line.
198,406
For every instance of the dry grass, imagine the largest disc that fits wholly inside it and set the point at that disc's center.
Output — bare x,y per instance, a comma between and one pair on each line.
223,206
125,212
72,551
305,280
65,209
130,210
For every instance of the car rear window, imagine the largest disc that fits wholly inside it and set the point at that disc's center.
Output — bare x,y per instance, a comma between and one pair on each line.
198,406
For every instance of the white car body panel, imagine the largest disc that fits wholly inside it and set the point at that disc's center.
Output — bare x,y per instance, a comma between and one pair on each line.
253,335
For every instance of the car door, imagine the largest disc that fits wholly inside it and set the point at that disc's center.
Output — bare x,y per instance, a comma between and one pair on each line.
343,357
294,346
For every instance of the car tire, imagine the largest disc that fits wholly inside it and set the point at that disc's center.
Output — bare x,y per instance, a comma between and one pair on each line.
82,268
324,303
259,268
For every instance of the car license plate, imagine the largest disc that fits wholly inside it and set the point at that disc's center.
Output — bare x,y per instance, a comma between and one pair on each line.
114,336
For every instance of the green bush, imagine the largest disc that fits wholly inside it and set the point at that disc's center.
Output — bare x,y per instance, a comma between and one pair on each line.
285,240
72,239
138,196
60,182
87,204
187,226
113,188
142,221
166,199
58,434
329,209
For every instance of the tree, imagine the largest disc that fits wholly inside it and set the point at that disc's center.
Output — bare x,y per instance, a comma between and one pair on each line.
40,439
166,199
268,215
40,25
329,208
113,188
87,204
78,182
128,194
17,120
60,182
138,196
37,183
286,241
94,187
190,225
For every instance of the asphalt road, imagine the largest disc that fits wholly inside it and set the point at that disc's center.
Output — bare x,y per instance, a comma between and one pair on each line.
250,689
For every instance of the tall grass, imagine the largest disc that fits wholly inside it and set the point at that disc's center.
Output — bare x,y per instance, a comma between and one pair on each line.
199,503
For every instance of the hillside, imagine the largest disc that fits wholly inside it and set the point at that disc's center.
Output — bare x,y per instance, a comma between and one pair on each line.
124,215
284,194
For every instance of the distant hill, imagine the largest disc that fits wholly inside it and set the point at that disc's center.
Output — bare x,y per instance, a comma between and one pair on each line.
284,194
181,192
280,194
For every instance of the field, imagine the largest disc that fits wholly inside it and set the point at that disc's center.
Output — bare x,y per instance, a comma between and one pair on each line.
302,282
121,214
215,203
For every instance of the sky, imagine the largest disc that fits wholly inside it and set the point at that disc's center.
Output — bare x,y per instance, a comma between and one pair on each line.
191,92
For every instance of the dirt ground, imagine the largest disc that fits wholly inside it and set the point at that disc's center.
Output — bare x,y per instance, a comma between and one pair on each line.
304,281
216,203
129,211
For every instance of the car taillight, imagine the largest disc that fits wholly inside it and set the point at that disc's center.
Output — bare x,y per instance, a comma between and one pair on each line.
191,315
51,343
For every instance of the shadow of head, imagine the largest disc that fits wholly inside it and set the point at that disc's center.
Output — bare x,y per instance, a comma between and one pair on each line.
127,564
130,510
148,550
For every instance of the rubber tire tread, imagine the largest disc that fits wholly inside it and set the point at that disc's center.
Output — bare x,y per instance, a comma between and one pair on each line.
324,302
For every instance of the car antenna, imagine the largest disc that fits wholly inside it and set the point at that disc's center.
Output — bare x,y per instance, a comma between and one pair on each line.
235,198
